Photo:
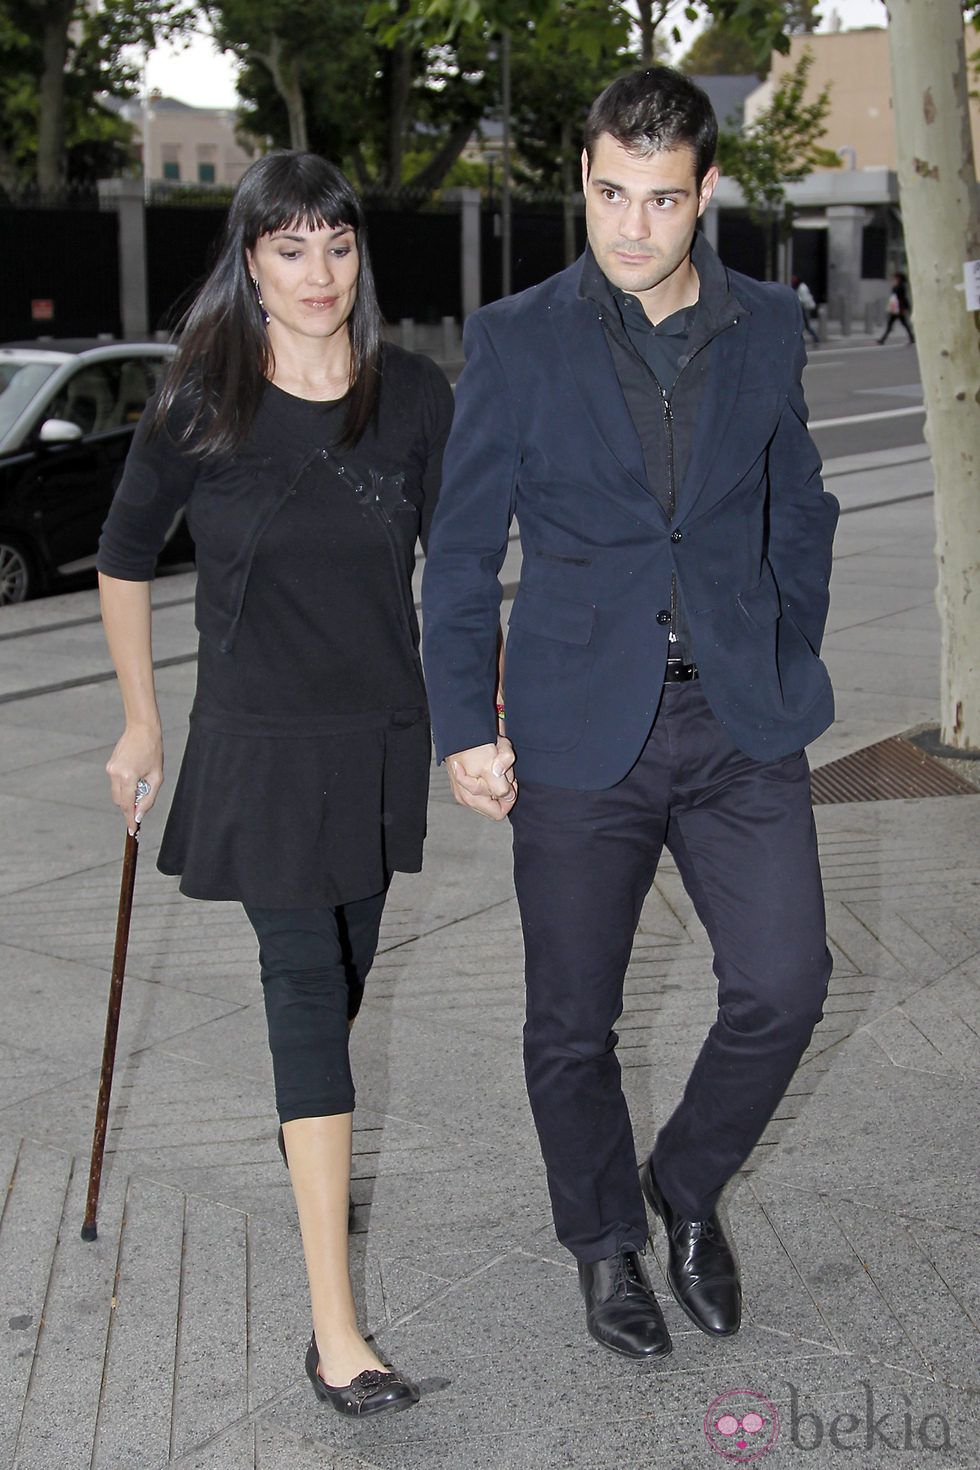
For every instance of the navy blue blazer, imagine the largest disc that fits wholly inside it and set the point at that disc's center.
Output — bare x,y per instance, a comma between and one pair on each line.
542,431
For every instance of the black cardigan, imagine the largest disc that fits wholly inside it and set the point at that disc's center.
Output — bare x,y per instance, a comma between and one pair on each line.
229,500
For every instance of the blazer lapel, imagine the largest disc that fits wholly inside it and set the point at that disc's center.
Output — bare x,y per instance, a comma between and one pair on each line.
583,346
714,427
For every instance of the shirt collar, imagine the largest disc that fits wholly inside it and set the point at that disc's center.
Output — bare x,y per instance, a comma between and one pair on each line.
637,323
716,306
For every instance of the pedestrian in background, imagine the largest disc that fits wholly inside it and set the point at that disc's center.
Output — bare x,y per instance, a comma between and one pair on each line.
899,307
306,455
807,305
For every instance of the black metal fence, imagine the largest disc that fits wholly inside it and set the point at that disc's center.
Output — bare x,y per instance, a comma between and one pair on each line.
62,265
61,272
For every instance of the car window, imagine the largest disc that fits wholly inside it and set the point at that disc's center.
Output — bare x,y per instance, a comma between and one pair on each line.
87,398
19,381
138,379
108,394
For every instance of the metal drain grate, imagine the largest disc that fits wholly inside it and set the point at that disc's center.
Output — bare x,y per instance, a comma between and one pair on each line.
886,771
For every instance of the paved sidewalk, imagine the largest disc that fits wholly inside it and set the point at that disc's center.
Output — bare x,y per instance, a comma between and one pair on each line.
177,1338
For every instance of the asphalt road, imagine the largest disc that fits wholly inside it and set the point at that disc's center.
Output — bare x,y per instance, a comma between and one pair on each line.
864,397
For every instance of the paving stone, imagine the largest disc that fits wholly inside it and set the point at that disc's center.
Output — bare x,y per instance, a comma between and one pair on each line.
37,1181
134,1426
61,1408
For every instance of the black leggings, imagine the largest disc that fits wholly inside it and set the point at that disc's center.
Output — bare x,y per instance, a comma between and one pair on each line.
893,317
314,963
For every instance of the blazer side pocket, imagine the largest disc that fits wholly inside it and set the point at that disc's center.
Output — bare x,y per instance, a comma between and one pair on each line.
547,670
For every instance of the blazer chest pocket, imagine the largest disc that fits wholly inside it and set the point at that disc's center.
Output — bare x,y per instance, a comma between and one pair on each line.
547,670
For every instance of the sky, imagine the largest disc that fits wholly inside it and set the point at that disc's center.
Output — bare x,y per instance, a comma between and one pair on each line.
203,77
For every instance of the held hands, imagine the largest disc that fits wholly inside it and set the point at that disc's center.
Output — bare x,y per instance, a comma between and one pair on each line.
483,778
139,752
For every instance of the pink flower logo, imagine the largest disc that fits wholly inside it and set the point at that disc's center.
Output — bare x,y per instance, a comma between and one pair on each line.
741,1425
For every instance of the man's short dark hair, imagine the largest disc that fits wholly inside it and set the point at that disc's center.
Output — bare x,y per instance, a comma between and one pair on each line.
655,110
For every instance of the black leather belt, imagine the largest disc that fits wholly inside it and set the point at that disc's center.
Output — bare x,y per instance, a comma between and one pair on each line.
679,673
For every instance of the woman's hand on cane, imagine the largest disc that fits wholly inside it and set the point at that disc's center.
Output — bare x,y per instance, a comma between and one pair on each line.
135,771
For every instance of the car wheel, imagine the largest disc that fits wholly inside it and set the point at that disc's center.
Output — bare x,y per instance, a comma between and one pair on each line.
18,579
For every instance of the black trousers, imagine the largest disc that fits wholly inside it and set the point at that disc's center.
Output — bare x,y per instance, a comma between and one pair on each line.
314,963
893,317
742,835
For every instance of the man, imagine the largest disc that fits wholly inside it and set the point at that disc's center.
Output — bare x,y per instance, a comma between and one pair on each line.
807,305
642,415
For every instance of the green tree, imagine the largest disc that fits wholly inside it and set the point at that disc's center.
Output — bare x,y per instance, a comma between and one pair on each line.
559,65
764,22
780,147
724,48
58,56
719,51
52,127
372,86
307,67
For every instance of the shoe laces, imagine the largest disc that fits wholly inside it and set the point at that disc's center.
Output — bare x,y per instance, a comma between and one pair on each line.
627,1278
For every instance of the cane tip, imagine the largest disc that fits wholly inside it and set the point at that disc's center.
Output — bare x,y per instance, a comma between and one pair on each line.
89,1232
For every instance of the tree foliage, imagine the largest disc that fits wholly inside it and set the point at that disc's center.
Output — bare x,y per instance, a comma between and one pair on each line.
719,51
394,103
780,147
305,68
559,65
59,55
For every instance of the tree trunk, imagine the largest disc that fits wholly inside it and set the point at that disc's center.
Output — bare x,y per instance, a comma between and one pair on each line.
431,174
9,178
941,215
51,162
285,71
568,190
650,14
644,10
768,232
399,79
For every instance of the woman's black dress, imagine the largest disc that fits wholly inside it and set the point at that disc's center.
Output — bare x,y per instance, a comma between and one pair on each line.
305,775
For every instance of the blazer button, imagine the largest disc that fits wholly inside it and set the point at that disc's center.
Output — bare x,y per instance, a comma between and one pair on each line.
677,535
664,615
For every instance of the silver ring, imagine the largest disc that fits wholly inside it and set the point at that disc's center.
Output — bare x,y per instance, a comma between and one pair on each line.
142,788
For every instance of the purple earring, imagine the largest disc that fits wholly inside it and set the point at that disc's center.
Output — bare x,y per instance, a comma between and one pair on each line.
258,294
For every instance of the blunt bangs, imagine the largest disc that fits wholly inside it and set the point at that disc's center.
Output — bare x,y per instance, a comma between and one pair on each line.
224,358
289,188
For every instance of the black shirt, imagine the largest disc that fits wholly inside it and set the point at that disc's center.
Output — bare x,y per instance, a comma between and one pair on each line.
661,346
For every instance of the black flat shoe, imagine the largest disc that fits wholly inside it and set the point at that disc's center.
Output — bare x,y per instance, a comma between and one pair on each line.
370,1392
351,1207
621,1310
701,1269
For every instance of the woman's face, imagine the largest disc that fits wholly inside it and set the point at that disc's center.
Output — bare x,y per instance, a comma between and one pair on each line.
307,279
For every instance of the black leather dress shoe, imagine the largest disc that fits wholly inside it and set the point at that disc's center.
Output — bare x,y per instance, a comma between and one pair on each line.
371,1392
621,1310
701,1269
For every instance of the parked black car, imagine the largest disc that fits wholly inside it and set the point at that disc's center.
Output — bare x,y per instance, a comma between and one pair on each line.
67,415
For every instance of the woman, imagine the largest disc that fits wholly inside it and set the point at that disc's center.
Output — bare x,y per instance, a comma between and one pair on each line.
899,307
306,455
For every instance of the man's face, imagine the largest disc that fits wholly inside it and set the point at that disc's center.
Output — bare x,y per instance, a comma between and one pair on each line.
640,214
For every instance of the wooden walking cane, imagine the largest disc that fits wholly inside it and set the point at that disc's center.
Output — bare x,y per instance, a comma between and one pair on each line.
130,854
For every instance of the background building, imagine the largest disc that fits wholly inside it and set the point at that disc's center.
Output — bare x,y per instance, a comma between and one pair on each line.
187,145
846,239
857,68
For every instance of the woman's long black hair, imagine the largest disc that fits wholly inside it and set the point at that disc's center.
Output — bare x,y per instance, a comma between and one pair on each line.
224,358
